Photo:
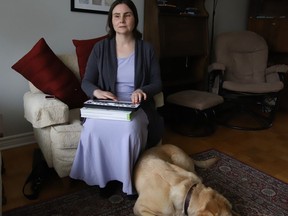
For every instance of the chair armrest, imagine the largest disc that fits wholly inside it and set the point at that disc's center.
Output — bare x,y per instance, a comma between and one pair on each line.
216,67
159,100
42,112
276,72
277,68
215,77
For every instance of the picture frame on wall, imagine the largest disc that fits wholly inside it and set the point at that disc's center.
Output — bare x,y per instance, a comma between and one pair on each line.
91,6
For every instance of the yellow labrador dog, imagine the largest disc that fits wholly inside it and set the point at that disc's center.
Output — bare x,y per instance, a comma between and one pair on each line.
167,184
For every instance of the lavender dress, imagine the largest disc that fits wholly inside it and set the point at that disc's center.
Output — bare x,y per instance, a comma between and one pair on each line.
108,149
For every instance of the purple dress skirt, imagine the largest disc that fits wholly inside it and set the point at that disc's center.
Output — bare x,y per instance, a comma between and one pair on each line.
108,149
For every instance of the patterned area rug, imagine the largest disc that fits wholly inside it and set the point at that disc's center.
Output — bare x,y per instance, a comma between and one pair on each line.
251,192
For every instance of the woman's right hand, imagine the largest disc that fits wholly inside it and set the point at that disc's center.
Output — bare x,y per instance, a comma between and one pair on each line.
98,93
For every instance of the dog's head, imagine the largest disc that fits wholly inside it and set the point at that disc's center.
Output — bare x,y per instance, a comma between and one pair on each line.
207,202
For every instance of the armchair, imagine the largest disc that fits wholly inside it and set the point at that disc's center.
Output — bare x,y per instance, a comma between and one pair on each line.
249,86
56,128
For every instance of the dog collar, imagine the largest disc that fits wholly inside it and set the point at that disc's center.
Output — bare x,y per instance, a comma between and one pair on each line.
187,199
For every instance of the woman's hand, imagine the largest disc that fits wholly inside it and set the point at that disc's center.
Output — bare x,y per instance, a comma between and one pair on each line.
138,96
98,93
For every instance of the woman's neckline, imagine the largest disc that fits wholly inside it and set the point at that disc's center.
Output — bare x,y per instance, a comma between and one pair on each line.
128,56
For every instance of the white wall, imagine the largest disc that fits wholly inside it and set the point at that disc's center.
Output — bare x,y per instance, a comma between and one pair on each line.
23,23
231,15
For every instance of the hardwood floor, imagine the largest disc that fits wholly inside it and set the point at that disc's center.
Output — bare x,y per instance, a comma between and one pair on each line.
266,150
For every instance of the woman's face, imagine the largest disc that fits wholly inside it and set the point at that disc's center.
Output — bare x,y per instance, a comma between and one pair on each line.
123,19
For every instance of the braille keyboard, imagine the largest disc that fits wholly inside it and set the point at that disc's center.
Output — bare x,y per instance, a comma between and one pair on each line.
113,105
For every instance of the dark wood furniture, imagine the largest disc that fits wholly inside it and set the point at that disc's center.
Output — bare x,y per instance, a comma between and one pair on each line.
269,18
1,126
4,200
2,162
178,31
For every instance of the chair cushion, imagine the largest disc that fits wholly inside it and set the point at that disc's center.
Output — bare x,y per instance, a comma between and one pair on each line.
199,100
244,55
83,50
49,74
70,60
267,87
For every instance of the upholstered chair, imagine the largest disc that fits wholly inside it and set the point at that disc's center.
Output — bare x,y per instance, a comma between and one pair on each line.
249,85
57,128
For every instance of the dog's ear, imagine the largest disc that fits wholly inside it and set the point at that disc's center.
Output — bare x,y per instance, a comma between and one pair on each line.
205,213
213,206
218,205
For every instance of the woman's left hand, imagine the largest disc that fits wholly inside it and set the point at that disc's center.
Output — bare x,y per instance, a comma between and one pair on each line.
138,96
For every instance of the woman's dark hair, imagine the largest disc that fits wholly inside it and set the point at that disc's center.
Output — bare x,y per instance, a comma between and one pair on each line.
111,32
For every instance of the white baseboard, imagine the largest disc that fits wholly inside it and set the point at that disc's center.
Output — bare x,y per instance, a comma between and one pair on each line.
17,140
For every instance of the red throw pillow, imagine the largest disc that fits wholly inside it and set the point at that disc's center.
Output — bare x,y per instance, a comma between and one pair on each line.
49,74
83,50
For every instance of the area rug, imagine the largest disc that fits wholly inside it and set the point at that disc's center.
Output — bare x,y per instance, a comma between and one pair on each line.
251,192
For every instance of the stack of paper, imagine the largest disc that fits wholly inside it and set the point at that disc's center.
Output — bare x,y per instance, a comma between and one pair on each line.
106,114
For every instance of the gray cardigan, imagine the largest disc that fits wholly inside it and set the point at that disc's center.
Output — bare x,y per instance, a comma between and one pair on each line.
101,73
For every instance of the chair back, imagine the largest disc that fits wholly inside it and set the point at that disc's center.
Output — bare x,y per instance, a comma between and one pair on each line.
245,55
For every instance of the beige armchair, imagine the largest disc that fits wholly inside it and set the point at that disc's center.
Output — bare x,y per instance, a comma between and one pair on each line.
56,128
241,74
